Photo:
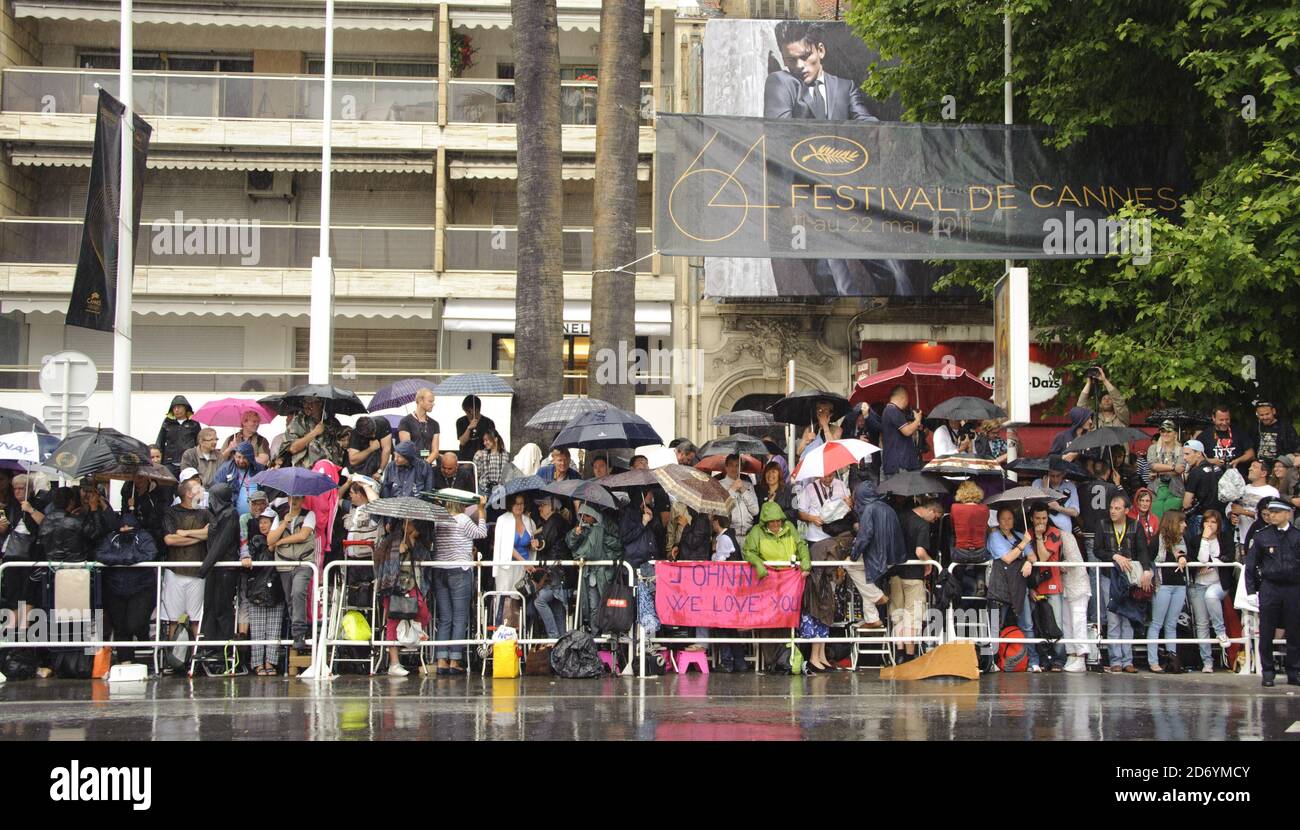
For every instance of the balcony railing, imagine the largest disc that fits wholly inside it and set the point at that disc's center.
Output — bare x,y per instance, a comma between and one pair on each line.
224,95
493,102
213,245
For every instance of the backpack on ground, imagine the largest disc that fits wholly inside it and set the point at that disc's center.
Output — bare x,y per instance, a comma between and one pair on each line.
575,656
1013,657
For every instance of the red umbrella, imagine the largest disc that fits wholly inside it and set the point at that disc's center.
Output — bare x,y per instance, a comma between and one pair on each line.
928,383
748,464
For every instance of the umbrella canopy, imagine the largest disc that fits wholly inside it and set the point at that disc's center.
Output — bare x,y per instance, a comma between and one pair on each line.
832,456
715,464
338,401
800,408
229,412
737,442
89,450
744,418
927,383
1107,437
632,478
295,481
967,408
1020,495
697,490
407,507
12,420
1181,417
473,383
277,404
557,414
29,449
1040,467
963,464
583,490
128,472
398,394
519,484
605,429
913,483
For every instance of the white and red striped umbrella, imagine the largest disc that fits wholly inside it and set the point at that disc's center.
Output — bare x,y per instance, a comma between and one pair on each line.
832,456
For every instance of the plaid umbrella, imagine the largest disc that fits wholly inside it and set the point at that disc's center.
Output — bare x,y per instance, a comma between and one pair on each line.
1040,467
698,491
473,383
89,450
583,490
295,481
407,507
128,472
737,442
556,415
398,394
913,483
519,484
11,420
744,418
606,429
1106,437
632,478
229,412
962,464
715,464
831,457
967,408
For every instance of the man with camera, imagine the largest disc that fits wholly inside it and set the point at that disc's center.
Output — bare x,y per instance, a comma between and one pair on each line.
1112,410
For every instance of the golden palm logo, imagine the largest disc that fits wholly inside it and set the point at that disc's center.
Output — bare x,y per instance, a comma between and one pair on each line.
829,155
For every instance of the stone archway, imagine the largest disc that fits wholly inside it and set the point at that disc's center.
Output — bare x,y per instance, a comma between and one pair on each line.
751,381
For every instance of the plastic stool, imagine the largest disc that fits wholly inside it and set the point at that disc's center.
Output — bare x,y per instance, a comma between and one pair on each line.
607,659
685,659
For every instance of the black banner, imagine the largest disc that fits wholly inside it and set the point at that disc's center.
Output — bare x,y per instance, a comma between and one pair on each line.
790,189
94,288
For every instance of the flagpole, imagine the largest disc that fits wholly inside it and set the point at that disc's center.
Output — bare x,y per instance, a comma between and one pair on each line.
321,332
125,231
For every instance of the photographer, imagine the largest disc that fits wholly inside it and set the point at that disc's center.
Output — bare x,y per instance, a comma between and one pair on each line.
954,437
1112,409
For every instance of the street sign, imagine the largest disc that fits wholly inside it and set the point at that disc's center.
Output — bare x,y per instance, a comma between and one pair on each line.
68,379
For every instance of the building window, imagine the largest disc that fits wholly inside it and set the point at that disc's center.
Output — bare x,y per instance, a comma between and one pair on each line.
577,358
372,68
168,61
372,358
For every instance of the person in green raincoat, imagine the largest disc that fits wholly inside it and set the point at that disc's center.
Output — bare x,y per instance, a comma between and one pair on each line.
774,539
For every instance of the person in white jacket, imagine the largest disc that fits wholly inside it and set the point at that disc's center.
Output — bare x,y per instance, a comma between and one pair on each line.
1077,593
511,542
745,506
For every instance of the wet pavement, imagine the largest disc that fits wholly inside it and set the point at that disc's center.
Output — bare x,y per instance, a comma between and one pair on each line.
840,706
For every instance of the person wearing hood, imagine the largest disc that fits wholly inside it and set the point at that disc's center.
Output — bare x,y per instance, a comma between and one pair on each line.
178,433
1080,423
877,549
774,539
128,592
406,474
237,474
220,584
1148,522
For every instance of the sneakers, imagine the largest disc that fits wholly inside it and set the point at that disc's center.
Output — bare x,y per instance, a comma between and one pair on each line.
1224,642
1076,663
397,670
1208,668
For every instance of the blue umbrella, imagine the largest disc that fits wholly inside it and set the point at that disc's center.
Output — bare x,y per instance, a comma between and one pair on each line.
295,481
607,429
520,484
398,394
473,383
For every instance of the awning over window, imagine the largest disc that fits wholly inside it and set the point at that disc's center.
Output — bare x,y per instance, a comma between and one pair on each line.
285,16
567,21
508,168
51,156
499,316
268,307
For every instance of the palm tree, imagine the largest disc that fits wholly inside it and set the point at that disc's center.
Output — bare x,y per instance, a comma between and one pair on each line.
539,271
618,108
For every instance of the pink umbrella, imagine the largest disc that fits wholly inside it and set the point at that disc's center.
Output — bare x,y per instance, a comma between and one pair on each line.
928,383
229,412
832,456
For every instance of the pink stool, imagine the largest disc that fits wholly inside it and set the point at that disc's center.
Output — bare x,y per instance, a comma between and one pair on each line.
607,658
685,659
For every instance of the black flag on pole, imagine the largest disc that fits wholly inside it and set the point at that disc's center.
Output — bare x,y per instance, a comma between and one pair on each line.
94,289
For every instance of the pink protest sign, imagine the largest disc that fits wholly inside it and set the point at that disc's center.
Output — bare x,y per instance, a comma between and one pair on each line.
727,595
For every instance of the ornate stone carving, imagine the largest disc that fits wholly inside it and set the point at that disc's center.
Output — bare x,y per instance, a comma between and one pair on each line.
771,342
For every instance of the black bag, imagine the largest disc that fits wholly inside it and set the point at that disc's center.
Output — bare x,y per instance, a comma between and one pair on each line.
947,590
72,663
616,613
403,607
264,587
18,664
1045,624
575,657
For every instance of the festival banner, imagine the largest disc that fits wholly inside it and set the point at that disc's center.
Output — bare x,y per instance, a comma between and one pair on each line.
727,595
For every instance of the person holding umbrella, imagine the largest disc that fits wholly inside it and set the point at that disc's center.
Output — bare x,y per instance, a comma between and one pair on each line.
293,540
820,430
898,434
249,423
745,509
453,587
311,435
472,426
237,474
1080,423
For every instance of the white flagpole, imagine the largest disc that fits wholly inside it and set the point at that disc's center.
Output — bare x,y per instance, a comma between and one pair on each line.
321,341
125,232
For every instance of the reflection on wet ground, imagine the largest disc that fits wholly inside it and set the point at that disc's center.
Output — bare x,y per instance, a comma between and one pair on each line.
840,706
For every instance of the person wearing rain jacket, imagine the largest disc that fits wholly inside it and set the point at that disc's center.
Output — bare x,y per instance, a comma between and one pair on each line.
220,584
588,541
406,474
1080,423
128,592
774,539
178,433
877,548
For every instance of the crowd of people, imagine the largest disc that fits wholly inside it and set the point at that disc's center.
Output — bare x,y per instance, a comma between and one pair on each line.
1165,518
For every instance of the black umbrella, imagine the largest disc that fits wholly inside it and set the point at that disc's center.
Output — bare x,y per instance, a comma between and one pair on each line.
277,404
338,401
90,450
913,483
1106,437
735,444
606,429
583,490
1181,417
801,407
966,408
1040,467
12,420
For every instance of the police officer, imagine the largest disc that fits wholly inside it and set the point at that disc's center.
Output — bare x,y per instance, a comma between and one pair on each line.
1273,570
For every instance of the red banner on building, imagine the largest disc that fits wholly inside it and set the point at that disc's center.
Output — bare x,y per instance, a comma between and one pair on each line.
727,595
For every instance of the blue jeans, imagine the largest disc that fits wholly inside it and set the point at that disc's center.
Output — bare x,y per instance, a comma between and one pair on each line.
1119,627
1165,608
551,607
1207,610
452,589
1027,625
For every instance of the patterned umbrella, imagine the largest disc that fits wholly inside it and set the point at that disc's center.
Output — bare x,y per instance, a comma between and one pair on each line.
715,464
744,418
832,456
295,481
473,383
737,442
398,394
89,450
407,507
128,472
556,415
11,420
519,484
962,464
913,483
606,429
698,491
583,490
229,412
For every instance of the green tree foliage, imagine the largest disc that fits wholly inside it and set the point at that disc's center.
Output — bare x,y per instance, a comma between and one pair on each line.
1219,303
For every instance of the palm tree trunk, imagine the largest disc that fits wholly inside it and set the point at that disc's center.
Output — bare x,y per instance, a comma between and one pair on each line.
539,271
613,294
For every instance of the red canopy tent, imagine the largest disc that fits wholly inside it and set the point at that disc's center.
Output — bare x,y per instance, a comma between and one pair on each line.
928,383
